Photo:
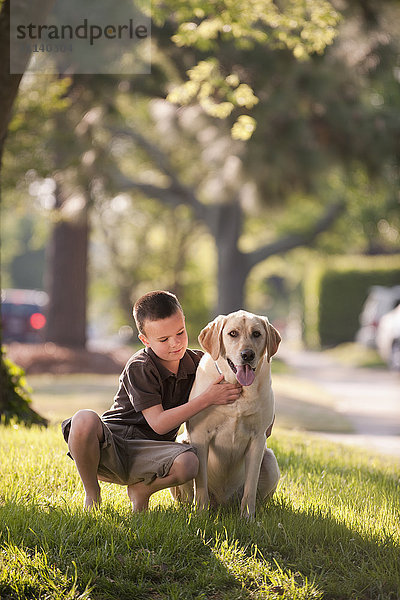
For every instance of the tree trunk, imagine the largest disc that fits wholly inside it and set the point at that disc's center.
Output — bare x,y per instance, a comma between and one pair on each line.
234,266
67,281
232,275
225,222
8,83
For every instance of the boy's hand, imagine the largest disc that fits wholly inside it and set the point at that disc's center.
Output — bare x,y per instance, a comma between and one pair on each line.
223,393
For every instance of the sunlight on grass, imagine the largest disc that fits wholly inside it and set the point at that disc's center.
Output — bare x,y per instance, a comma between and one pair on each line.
332,531
24,572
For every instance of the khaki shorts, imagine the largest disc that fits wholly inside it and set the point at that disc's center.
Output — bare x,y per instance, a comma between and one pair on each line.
126,461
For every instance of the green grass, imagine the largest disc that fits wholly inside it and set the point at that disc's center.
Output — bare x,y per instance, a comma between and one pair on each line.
331,532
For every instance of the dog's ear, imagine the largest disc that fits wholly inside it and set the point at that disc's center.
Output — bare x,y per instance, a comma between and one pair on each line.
210,336
273,339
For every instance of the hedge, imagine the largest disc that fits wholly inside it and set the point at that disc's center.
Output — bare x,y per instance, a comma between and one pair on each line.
335,291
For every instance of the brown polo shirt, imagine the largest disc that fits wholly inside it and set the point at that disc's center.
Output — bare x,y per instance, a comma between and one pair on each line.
145,382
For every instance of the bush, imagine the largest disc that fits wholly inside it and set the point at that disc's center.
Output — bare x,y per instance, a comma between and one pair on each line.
15,400
335,291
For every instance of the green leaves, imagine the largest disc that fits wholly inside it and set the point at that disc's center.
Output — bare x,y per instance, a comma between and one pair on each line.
217,95
309,24
243,128
302,26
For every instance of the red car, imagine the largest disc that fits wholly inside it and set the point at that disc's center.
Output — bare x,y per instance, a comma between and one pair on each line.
23,315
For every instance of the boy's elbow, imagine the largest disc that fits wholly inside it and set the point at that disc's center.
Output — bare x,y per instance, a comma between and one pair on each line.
159,428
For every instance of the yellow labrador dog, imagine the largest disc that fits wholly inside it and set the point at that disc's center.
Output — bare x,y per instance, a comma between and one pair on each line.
231,439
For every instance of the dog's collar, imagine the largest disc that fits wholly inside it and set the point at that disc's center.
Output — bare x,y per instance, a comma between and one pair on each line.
217,367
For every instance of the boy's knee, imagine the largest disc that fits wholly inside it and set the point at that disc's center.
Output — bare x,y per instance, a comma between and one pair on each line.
186,466
85,423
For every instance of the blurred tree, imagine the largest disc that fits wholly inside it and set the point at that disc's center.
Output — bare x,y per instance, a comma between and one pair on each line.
68,248
66,273
315,118
147,245
290,145
224,218
221,86
302,27
59,181
12,401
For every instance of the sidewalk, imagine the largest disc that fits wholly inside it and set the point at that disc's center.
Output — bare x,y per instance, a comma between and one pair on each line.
369,398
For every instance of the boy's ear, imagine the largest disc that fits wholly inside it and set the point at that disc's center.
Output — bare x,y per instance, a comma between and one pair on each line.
143,339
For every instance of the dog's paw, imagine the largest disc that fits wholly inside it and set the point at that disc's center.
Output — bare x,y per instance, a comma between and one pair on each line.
247,511
202,502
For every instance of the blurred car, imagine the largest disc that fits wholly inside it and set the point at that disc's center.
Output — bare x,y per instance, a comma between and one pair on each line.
388,338
23,315
380,301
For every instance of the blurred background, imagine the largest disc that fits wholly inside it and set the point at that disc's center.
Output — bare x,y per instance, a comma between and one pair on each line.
241,173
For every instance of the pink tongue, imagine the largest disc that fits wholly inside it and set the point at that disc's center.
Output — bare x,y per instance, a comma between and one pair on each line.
244,374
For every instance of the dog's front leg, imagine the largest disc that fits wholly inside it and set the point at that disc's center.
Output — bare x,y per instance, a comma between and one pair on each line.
201,482
254,455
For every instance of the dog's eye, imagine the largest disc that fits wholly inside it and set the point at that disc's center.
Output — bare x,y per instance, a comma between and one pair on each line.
233,333
256,334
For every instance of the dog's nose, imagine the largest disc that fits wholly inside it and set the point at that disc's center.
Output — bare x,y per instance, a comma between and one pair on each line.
247,355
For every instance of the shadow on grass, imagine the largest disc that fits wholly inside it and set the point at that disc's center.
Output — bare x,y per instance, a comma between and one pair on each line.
108,555
341,562
175,553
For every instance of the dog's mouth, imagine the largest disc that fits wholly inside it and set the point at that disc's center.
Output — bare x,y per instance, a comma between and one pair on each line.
244,373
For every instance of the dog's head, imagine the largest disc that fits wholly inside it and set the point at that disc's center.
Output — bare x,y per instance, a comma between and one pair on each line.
242,339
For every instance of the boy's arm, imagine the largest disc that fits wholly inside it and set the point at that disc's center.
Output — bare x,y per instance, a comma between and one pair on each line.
163,421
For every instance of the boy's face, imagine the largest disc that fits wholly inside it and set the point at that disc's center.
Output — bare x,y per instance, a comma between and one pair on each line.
167,338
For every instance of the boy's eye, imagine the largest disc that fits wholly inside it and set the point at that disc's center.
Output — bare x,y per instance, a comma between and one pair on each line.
162,341
181,333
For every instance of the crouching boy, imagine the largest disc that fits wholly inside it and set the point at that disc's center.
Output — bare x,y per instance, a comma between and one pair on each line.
133,443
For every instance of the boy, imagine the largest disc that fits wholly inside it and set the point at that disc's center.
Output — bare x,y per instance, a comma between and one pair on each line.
133,443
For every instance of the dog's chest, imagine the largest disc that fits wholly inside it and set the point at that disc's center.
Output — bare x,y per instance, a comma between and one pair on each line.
234,425
235,432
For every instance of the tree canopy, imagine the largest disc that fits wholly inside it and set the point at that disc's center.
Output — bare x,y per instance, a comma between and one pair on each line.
278,116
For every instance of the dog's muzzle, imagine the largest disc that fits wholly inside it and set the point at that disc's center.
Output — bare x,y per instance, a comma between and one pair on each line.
244,373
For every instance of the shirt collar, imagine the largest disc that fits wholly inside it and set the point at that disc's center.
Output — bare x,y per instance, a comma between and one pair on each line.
186,365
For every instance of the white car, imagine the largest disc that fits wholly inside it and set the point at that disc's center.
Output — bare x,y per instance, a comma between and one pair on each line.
380,301
388,338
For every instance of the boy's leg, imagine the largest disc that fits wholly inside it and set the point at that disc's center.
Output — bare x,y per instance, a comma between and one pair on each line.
183,469
84,440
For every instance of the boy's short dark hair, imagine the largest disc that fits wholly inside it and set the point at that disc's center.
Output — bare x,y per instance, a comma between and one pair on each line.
154,306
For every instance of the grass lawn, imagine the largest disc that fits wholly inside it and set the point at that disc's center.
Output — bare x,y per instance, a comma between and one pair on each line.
58,397
352,354
332,531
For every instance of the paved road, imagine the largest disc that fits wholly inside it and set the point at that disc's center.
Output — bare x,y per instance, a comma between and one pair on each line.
370,398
